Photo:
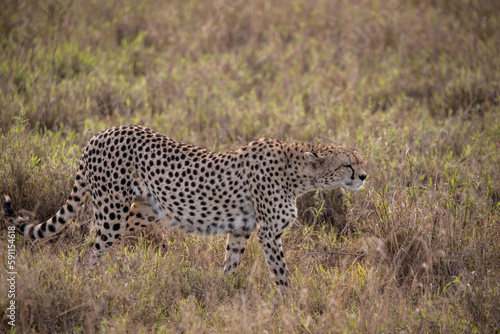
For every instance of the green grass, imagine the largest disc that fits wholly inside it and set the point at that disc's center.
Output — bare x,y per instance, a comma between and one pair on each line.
414,86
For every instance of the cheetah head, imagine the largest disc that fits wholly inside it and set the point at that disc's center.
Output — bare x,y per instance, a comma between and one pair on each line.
336,167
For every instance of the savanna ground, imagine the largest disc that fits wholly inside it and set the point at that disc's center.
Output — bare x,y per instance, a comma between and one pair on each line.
413,85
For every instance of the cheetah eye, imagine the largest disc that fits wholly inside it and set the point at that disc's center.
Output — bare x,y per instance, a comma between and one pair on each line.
346,164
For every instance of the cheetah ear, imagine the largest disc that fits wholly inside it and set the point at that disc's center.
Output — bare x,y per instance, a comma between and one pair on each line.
312,158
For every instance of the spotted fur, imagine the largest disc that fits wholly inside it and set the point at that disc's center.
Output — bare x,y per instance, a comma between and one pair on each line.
136,177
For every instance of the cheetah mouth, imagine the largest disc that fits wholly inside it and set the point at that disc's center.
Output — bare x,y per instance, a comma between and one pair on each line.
353,186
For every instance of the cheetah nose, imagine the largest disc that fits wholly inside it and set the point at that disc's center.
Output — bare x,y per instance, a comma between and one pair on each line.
362,177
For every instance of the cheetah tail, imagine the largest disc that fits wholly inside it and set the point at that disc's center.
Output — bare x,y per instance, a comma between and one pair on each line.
55,224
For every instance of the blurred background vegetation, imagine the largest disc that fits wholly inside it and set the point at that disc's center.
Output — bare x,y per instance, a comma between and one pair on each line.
413,85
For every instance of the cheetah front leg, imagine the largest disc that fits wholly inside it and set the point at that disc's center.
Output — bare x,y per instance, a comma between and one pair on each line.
271,245
235,247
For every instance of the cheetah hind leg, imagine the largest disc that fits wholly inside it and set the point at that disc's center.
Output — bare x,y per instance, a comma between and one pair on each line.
109,227
144,210
142,213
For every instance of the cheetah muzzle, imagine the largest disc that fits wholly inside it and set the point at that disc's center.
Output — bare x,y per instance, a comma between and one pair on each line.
136,176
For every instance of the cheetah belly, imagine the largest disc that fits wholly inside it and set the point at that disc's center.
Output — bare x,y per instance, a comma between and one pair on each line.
234,220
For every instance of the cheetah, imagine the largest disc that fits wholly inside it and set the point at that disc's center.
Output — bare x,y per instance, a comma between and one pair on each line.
136,177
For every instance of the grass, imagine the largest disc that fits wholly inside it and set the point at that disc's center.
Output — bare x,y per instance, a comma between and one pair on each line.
414,86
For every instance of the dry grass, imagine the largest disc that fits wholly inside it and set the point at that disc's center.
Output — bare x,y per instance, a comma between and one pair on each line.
414,86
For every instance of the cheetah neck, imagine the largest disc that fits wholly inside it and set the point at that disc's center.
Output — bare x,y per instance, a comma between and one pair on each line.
299,181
